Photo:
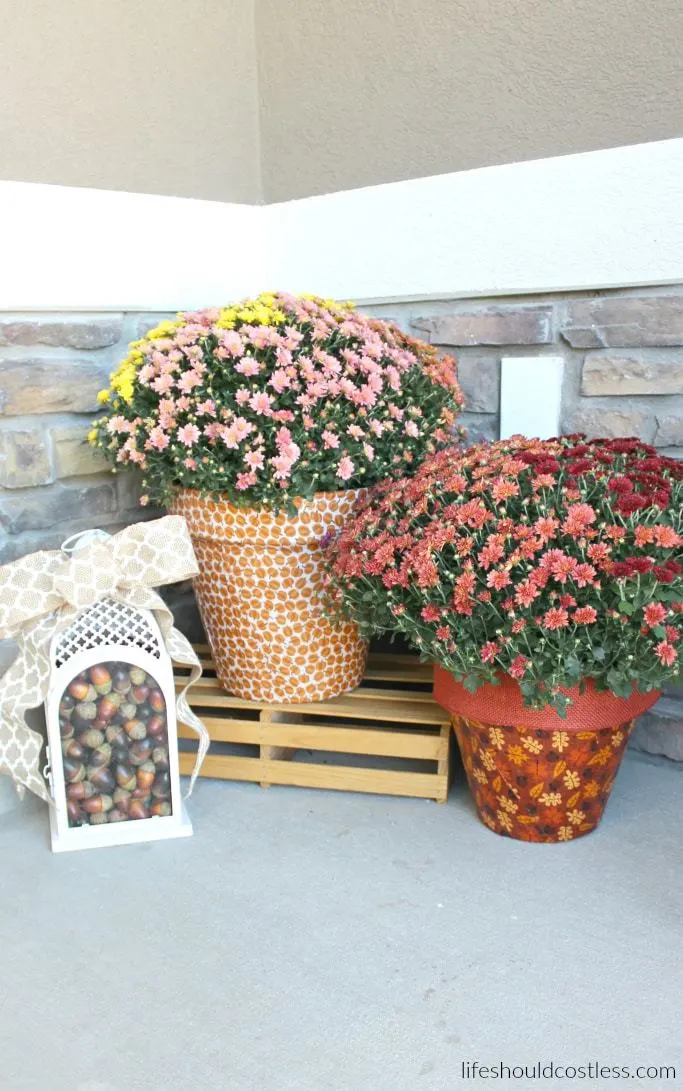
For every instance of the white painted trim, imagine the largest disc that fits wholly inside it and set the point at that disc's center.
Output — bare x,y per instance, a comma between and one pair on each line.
530,396
597,220
600,219
70,249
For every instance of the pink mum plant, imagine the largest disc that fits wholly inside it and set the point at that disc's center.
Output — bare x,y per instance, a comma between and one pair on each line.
276,398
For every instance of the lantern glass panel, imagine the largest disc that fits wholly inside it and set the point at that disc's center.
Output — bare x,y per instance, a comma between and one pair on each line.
115,748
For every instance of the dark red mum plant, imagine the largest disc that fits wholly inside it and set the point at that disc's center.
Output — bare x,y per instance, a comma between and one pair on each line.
551,561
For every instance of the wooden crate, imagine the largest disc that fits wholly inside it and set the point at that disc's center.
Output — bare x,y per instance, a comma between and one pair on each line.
391,716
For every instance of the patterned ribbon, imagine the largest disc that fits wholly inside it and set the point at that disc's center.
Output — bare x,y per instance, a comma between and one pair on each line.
43,593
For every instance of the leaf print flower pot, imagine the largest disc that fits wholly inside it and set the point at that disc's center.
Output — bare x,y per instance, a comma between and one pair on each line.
259,595
535,776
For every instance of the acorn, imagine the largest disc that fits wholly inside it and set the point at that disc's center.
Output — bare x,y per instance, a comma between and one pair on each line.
116,815
102,778
140,694
143,712
115,735
98,804
78,723
66,729
121,681
122,800
87,710
161,788
66,705
101,679
145,775
140,751
161,808
160,757
156,700
119,755
127,711
137,809
156,726
143,794
98,819
73,771
137,676
79,690
81,790
107,707
71,748
135,730
125,777
73,811
101,755
91,738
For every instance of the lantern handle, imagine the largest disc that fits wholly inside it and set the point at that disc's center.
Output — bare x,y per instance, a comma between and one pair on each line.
47,770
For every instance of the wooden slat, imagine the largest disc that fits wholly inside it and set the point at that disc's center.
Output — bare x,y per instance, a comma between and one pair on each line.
418,676
211,686
388,711
353,740
306,775
443,767
341,738
225,729
371,693
269,750
223,767
407,708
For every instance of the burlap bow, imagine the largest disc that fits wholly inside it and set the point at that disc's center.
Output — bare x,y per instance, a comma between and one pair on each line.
43,593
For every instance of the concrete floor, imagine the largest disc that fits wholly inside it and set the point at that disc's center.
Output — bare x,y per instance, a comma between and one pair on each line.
305,941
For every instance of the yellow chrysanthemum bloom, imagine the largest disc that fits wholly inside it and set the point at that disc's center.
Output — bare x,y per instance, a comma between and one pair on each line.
164,329
103,397
92,436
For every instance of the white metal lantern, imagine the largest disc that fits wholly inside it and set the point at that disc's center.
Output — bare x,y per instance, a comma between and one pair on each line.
112,733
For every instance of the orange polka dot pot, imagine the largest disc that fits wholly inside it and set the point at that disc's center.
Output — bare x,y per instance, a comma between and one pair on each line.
538,777
259,595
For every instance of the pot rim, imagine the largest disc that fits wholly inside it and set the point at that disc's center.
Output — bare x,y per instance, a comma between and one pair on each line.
502,706
221,520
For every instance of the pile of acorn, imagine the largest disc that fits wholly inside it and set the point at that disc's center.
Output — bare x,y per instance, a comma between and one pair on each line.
112,720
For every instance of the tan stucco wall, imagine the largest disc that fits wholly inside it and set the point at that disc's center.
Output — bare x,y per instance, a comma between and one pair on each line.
240,100
153,96
355,92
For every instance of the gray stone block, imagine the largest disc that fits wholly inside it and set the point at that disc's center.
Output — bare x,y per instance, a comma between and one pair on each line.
611,423
74,457
670,430
69,331
479,379
40,509
24,459
624,321
480,427
51,384
635,373
504,325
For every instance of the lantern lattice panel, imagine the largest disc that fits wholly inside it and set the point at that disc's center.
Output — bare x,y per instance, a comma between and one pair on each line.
107,622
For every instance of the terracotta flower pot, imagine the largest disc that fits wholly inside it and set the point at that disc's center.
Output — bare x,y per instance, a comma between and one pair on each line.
259,597
535,776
